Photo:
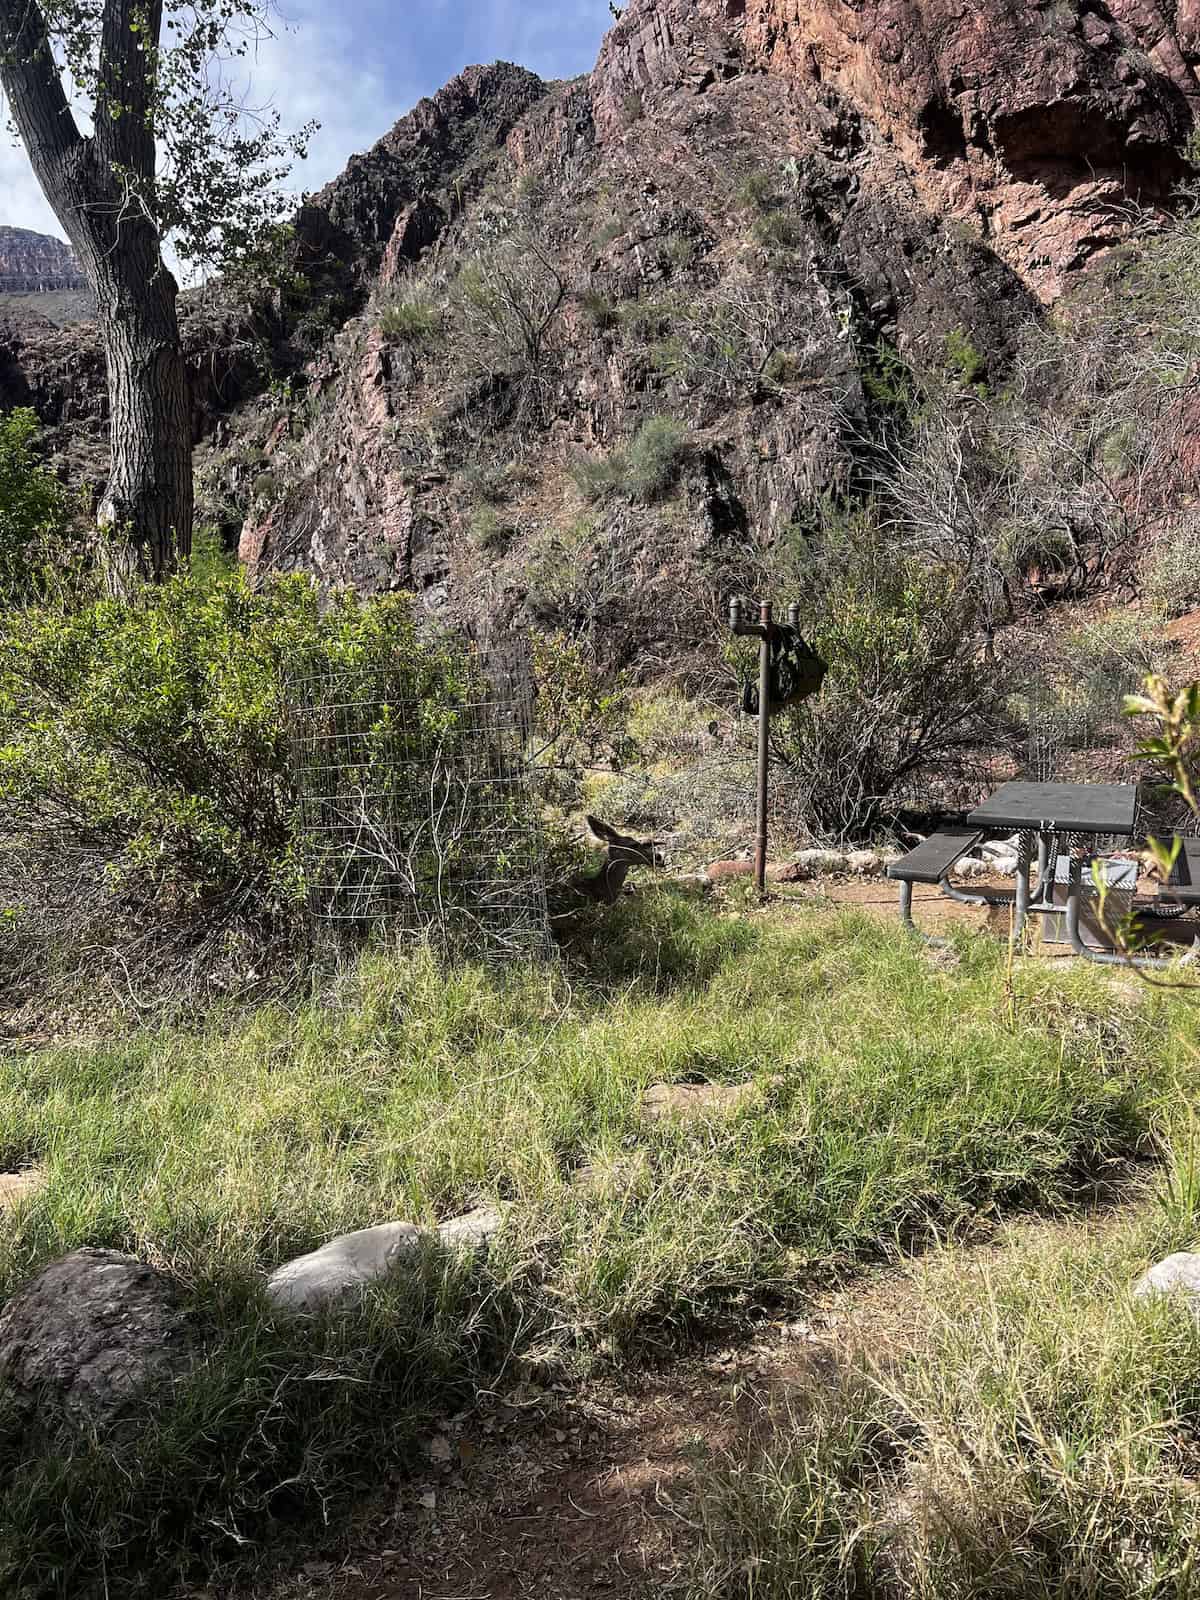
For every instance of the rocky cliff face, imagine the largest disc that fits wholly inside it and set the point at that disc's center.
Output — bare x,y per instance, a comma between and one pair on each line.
32,263
1035,121
719,245
749,206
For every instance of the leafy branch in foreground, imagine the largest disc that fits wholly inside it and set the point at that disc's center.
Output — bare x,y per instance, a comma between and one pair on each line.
1172,749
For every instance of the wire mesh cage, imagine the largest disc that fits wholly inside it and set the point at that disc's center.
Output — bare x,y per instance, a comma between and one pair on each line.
419,814
1064,731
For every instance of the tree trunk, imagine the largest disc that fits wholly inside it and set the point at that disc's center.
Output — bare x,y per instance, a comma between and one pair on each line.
98,188
148,502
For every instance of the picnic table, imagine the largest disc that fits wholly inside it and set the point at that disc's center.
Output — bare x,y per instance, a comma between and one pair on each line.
1049,820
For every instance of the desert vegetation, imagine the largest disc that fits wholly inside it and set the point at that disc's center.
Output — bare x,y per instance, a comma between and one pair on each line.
529,407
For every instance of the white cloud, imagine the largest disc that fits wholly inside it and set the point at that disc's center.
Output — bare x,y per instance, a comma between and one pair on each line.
22,204
308,72
355,74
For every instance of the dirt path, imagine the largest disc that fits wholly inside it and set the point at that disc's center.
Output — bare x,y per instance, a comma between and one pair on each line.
570,1493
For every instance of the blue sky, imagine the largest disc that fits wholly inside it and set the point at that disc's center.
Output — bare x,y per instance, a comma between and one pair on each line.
358,65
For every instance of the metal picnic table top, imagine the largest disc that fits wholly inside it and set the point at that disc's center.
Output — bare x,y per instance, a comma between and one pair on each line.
1060,807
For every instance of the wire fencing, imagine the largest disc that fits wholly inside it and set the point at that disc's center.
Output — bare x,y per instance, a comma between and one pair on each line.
419,815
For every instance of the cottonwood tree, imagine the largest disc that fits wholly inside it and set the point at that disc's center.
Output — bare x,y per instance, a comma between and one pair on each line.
174,154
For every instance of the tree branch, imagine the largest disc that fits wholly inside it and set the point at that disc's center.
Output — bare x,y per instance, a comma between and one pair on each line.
33,86
126,86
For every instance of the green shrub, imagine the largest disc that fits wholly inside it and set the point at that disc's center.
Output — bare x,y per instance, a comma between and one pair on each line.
1171,567
648,319
37,544
410,321
556,566
645,471
679,252
489,530
655,457
966,362
492,484
600,309
782,369
632,108
778,230
759,191
210,560
597,480
905,699
889,381
673,357
151,734
264,486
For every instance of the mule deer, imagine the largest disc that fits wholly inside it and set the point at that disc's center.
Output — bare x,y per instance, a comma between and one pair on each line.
620,853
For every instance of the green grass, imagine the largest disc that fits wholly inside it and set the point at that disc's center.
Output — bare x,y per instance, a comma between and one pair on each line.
414,322
1038,1434
896,1098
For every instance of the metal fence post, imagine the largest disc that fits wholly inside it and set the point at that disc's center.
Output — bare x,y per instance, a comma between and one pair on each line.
766,628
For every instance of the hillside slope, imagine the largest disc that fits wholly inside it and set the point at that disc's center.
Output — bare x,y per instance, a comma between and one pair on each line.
571,351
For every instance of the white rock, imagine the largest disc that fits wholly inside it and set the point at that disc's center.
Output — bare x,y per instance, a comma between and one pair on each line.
472,1230
999,847
1177,1274
864,862
971,867
821,860
1005,866
342,1268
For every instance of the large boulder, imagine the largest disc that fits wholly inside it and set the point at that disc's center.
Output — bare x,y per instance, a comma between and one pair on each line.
92,1332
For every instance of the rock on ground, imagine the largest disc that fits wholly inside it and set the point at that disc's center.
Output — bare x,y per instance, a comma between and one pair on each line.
94,1331
971,867
694,1099
342,1268
822,860
1176,1274
472,1230
722,871
865,862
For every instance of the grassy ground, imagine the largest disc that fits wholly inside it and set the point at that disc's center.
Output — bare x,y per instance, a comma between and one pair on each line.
899,1096
1036,1432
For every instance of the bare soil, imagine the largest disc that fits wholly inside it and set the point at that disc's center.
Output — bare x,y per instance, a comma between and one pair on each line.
934,913
573,1492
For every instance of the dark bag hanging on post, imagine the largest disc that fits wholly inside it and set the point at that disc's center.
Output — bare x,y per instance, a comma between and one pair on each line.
797,672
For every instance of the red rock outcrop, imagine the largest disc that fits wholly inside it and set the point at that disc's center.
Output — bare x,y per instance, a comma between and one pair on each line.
1038,124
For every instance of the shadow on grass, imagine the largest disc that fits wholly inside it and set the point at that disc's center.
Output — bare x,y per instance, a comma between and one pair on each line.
662,939
280,1428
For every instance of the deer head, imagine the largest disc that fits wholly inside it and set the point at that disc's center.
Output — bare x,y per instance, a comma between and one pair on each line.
620,853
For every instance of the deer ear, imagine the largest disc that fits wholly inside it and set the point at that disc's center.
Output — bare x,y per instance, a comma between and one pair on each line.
600,832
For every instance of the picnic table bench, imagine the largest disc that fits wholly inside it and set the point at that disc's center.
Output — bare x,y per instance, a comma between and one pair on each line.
1183,885
1048,818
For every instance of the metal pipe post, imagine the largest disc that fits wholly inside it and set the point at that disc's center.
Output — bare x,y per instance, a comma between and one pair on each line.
764,724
